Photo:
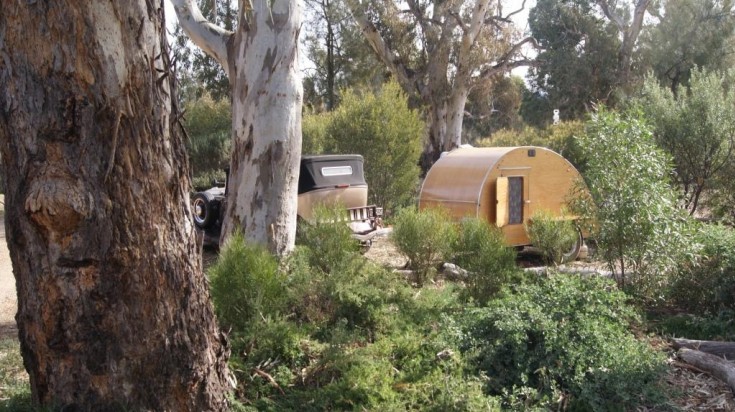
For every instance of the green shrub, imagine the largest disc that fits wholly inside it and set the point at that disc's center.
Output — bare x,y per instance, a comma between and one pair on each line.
387,133
551,235
529,136
425,237
206,180
720,326
314,131
706,285
563,335
637,224
328,239
480,249
246,284
208,126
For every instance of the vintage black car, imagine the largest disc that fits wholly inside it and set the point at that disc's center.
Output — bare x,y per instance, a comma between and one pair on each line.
323,180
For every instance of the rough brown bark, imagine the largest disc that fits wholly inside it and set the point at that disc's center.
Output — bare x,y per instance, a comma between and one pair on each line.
715,366
113,307
722,349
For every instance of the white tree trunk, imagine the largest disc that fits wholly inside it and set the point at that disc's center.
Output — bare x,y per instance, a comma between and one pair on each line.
262,63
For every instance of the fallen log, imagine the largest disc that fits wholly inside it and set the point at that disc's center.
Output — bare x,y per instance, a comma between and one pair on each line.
715,366
721,349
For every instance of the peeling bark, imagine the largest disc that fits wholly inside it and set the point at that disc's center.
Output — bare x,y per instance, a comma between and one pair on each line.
113,306
262,65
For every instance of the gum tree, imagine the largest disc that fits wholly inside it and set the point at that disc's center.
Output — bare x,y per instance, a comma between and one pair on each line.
113,307
260,59
438,51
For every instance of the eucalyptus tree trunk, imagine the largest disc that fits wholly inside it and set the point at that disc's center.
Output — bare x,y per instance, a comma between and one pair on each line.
113,308
260,58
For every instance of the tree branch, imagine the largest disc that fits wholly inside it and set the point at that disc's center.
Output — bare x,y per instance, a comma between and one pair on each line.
388,56
611,15
209,37
505,62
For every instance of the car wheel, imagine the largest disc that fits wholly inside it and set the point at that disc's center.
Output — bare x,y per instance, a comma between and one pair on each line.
573,253
204,210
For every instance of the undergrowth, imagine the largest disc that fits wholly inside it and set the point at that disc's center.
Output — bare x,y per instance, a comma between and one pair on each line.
351,335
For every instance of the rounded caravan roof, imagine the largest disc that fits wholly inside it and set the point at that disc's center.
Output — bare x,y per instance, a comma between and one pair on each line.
458,176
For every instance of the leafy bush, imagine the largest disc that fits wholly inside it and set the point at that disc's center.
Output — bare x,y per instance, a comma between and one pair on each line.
563,335
387,133
314,130
528,136
425,237
205,180
328,239
480,249
246,284
706,285
720,326
553,236
208,125
636,221
695,124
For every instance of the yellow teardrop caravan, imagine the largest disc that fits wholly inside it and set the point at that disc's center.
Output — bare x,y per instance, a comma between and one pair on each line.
502,185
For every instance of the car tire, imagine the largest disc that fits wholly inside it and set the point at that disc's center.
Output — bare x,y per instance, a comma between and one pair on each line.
573,253
204,210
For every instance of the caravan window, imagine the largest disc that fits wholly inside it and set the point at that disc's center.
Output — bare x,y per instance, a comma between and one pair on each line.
515,200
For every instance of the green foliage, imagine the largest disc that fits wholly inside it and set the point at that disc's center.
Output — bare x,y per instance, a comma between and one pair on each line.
636,222
494,105
314,131
328,239
691,33
564,335
208,125
15,391
425,237
383,129
528,136
480,249
696,127
246,285
356,337
552,235
577,63
720,327
561,138
706,285
206,180
339,53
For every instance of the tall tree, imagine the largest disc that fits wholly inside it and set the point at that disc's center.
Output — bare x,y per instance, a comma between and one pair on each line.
690,33
438,50
113,307
576,65
339,52
628,18
260,59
